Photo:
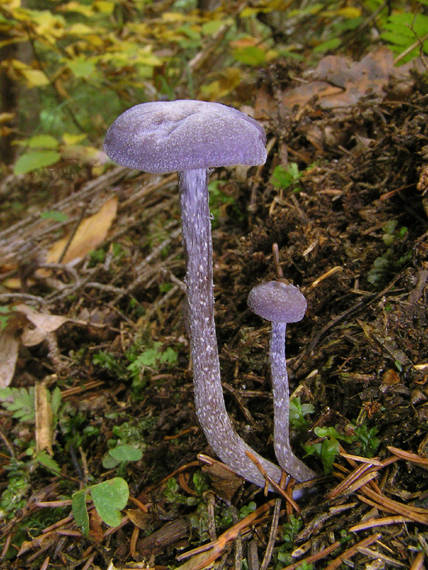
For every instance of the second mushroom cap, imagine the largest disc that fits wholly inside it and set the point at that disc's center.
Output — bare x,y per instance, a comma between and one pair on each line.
277,301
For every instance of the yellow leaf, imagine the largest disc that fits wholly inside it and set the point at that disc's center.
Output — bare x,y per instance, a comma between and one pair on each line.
12,4
90,234
77,7
70,138
174,17
47,26
80,30
104,7
229,79
5,117
35,77
350,12
82,154
347,12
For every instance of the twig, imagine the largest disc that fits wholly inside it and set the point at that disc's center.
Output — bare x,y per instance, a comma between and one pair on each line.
314,557
349,553
382,521
272,535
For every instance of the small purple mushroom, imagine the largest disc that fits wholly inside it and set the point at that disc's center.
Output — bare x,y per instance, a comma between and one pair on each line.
280,303
191,137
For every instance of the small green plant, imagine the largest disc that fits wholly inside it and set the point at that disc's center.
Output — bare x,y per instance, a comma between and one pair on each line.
19,472
110,363
121,455
247,509
174,496
54,216
283,178
19,401
393,237
5,312
289,532
298,411
18,483
97,256
152,357
367,439
404,31
328,448
218,200
109,498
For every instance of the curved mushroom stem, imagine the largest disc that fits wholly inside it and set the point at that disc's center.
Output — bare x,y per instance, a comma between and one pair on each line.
281,406
209,400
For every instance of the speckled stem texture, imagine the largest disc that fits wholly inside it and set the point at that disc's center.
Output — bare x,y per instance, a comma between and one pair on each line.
281,407
209,400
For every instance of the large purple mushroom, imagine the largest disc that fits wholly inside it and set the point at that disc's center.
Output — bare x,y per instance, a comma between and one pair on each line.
190,137
281,303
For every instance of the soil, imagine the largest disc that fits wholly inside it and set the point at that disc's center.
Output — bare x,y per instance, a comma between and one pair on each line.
350,229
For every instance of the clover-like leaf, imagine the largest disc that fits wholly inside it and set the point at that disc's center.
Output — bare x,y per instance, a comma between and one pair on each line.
80,513
110,497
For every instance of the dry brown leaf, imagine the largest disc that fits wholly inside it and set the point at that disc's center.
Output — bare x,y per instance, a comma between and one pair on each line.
91,232
338,81
8,356
43,325
43,413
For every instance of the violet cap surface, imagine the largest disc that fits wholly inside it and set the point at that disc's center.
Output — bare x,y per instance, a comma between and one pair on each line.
169,136
277,302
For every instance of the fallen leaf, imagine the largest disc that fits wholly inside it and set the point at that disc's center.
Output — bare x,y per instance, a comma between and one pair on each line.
91,233
8,356
43,325
338,81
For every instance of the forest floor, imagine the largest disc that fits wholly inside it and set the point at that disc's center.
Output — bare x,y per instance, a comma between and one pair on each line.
343,195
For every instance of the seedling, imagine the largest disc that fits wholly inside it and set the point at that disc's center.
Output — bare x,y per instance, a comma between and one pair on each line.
109,498
283,178
298,411
328,448
289,532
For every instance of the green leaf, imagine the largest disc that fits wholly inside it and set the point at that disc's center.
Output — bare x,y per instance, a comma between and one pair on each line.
47,461
329,45
151,357
110,497
20,401
250,55
285,177
80,513
34,160
56,400
108,462
126,452
82,68
212,27
54,215
329,450
5,313
298,411
43,141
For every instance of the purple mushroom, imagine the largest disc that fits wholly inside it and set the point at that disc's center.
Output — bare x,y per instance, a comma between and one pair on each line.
281,303
191,137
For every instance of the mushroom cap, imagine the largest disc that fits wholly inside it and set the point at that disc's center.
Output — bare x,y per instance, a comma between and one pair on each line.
169,136
278,302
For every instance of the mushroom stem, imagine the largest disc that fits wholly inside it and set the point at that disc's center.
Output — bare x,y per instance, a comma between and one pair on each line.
281,406
209,400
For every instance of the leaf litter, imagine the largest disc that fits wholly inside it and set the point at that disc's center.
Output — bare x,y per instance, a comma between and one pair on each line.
356,135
